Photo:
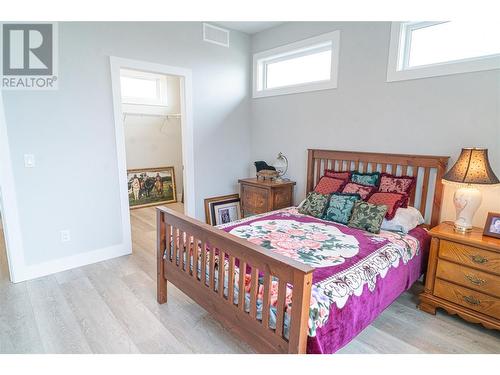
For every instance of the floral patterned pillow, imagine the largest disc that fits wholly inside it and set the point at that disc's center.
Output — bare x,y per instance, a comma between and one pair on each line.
314,205
363,190
340,207
396,184
371,179
335,174
392,200
367,216
328,185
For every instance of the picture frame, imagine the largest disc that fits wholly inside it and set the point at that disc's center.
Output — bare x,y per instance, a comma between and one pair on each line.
151,187
223,209
492,225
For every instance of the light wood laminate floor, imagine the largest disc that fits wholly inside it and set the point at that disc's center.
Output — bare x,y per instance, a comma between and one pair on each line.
110,307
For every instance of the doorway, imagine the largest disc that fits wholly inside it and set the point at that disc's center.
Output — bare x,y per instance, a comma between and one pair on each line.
154,137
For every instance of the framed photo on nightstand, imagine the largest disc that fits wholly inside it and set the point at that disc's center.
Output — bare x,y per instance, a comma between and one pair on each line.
492,226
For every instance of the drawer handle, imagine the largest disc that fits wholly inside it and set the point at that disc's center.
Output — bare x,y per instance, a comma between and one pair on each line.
479,259
471,300
475,280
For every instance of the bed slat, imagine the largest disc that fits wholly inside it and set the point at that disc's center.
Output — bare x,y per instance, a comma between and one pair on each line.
230,281
241,286
195,257
280,307
253,292
176,246
265,301
423,197
211,268
220,279
203,271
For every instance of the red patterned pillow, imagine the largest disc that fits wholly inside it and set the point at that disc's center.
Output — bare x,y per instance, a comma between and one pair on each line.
340,175
392,200
396,184
363,190
328,185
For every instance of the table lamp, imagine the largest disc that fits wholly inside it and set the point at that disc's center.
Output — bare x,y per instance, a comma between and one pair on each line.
281,165
471,168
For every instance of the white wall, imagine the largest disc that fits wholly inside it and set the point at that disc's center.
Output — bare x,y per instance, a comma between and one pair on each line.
154,141
436,115
71,131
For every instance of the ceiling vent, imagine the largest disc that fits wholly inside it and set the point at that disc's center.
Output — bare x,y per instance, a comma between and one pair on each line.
216,35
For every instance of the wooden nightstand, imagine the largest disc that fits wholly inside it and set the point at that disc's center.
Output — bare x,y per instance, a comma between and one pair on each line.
259,196
463,275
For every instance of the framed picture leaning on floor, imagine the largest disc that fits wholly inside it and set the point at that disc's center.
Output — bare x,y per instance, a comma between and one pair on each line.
151,186
223,209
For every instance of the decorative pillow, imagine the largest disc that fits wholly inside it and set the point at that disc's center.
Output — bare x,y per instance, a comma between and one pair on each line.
340,207
340,175
404,221
363,190
392,200
367,216
328,185
366,178
396,184
314,205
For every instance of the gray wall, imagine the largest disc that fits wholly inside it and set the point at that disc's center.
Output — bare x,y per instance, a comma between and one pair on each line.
71,131
436,115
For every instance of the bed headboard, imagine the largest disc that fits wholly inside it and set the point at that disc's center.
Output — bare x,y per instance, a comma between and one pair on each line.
427,195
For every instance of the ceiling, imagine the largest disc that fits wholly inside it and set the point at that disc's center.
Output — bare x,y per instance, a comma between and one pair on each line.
248,27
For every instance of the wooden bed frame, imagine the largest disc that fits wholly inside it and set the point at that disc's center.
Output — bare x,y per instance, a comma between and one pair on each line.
177,232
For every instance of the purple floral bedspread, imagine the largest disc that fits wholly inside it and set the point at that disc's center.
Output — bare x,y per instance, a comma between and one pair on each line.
357,274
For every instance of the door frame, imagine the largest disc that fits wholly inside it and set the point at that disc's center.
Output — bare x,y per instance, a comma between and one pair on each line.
186,101
8,204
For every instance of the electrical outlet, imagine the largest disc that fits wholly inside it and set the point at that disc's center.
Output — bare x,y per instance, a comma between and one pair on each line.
65,236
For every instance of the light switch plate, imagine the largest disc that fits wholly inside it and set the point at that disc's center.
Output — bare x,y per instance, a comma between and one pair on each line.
29,160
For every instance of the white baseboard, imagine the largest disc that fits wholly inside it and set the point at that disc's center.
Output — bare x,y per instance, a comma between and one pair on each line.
79,260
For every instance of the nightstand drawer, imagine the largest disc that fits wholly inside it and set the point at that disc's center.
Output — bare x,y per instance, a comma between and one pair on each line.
254,199
282,197
469,277
470,256
465,297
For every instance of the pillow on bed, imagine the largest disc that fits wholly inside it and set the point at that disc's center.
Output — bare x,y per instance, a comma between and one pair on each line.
371,179
363,190
396,184
392,200
367,216
314,205
328,185
404,220
340,175
340,207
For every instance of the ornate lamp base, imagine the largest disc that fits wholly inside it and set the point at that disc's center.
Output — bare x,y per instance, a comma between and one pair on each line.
466,201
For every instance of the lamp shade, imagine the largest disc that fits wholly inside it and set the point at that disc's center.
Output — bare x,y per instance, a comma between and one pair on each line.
472,167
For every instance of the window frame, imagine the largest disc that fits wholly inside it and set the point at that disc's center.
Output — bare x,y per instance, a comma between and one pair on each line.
399,50
294,50
161,99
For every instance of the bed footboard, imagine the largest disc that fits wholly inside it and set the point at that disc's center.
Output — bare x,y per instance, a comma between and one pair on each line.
186,247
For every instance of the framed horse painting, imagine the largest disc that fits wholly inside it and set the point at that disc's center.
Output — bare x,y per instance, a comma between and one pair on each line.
151,186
